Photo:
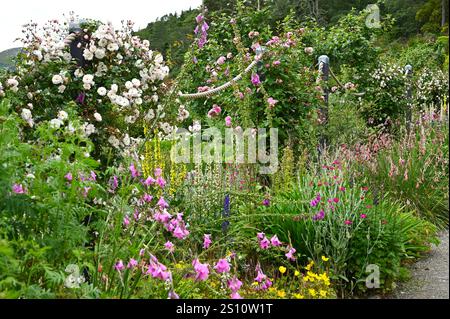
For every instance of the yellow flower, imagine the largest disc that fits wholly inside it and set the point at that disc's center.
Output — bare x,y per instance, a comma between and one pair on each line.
325,258
298,296
178,266
312,292
282,269
305,279
309,265
323,293
281,294
255,283
296,273
272,289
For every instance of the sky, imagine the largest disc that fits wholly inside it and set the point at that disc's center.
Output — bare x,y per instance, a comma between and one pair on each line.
15,13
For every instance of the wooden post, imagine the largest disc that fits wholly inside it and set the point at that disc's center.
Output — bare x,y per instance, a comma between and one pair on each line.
324,73
75,45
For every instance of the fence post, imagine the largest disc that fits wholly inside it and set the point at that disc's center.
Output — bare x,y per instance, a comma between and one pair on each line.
408,73
260,64
324,73
75,45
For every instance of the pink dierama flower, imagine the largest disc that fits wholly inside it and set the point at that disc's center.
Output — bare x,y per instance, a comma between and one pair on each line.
276,63
132,263
161,182
363,216
162,216
119,266
235,295
158,172
272,102
202,271
260,236
261,276
221,60
69,177
173,295
169,246
207,241
86,190
147,198
126,221
142,252
275,241
158,270
228,121
348,222
222,266
264,243
18,189
290,253
136,215
93,176
134,171
180,232
149,181
162,203
234,284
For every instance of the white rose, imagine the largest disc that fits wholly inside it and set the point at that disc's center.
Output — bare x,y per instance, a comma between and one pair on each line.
113,47
130,119
88,129
57,79
79,73
114,88
26,114
61,88
128,85
159,59
101,91
97,117
88,55
150,115
88,79
114,141
102,43
136,82
38,54
55,123
100,54
126,140
62,115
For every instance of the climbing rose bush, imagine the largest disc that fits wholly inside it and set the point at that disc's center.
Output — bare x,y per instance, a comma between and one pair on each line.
116,82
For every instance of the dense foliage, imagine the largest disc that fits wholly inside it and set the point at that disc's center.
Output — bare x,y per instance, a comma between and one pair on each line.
93,205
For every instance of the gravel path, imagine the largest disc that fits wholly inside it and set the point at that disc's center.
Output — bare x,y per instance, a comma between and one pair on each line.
429,276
